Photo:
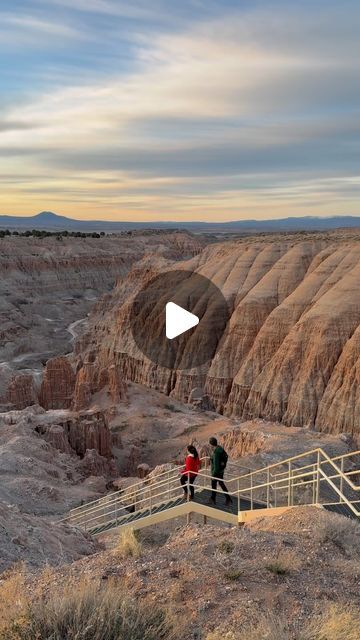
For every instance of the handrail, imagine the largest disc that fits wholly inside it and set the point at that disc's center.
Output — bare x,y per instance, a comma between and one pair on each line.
136,484
346,455
124,497
341,473
146,495
145,508
256,471
340,493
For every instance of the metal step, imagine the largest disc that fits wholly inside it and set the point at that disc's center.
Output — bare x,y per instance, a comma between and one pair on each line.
202,497
342,509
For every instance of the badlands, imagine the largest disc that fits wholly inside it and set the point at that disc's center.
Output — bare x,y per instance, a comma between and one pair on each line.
83,412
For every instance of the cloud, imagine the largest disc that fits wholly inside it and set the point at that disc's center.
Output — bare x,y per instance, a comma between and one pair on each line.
25,31
261,95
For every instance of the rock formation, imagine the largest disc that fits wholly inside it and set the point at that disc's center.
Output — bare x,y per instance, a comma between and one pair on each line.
79,432
21,392
90,379
291,350
58,384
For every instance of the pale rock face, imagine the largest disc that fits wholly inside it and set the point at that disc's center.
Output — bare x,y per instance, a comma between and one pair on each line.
291,350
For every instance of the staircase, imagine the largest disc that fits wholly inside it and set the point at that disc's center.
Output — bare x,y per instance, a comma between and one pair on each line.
311,478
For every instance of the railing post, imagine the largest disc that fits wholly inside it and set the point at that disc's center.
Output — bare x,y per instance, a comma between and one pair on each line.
289,485
318,479
251,493
188,498
342,479
314,484
238,490
268,489
150,500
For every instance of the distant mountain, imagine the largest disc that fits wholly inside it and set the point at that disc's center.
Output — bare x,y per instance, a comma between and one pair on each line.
53,222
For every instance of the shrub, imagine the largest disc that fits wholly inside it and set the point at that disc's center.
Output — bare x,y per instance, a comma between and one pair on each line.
233,574
129,545
284,563
90,611
226,546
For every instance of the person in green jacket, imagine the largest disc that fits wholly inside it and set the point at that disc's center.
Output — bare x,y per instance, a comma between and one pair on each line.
218,463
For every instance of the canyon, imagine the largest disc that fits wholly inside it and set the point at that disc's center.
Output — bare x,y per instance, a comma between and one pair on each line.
83,412
290,352
47,288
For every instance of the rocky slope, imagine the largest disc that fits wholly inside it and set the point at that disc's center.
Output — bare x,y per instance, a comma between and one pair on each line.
47,288
221,582
291,351
49,463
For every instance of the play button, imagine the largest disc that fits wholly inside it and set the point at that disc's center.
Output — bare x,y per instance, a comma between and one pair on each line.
178,320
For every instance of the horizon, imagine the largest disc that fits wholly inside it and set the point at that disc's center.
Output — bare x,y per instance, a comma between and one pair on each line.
174,221
205,111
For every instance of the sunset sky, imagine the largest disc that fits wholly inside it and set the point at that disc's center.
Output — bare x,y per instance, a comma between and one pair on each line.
180,110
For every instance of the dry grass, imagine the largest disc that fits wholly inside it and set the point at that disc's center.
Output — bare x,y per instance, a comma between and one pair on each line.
338,622
342,532
220,634
88,611
13,603
269,628
129,545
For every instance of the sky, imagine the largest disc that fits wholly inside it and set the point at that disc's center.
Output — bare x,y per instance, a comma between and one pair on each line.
180,110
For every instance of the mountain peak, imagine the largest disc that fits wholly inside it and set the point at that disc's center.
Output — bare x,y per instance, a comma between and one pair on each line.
47,215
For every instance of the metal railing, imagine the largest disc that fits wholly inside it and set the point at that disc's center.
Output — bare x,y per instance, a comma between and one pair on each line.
308,478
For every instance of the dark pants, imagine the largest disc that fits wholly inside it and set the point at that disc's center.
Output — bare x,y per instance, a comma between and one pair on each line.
214,483
184,483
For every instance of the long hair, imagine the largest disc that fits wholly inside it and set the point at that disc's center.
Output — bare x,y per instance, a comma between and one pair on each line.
193,450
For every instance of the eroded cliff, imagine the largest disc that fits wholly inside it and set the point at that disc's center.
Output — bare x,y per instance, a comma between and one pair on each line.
291,350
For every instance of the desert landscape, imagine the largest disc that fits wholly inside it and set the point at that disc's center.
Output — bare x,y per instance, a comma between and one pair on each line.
97,416
179,320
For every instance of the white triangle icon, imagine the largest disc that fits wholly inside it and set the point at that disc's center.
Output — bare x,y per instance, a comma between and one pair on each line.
178,320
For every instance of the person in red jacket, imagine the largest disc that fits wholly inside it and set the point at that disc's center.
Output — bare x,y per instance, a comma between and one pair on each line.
188,475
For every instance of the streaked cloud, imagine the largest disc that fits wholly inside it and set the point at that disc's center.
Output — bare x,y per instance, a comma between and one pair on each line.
242,111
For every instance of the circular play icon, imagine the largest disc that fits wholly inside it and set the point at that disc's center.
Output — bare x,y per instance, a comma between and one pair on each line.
178,318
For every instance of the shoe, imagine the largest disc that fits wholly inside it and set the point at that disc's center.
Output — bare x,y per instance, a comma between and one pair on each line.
212,501
228,501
